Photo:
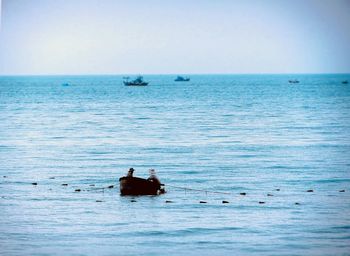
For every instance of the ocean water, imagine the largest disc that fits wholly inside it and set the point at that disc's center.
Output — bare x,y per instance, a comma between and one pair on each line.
229,134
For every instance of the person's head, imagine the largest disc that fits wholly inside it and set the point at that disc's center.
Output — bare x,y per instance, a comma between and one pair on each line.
152,171
131,170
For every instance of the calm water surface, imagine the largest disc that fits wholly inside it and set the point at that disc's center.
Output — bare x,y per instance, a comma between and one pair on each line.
254,134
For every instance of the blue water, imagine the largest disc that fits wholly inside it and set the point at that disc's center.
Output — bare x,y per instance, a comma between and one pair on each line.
255,134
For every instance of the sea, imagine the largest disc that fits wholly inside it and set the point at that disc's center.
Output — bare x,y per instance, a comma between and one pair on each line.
252,165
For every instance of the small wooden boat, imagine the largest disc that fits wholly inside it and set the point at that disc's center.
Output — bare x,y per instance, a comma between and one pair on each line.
138,186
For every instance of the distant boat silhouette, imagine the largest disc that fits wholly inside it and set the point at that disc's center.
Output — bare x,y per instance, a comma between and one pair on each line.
295,81
65,84
137,82
345,82
181,79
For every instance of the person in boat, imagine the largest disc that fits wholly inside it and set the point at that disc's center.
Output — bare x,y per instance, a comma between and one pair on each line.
130,173
153,177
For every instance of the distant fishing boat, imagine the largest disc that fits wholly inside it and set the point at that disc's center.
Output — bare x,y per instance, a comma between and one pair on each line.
345,82
295,81
138,186
136,82
182,79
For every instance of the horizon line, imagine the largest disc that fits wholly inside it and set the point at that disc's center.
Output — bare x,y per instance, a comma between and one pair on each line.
168,74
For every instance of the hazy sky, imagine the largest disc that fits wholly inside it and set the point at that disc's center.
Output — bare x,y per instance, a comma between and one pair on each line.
174,36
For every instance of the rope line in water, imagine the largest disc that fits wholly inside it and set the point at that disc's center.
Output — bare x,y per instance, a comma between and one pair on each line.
183,188
103,188
200,190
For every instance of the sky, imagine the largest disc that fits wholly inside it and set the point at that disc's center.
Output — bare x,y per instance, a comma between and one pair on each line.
47,37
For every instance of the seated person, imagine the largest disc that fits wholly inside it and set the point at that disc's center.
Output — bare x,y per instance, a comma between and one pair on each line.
153,177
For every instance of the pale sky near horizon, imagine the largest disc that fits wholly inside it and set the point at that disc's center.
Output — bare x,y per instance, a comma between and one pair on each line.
174,37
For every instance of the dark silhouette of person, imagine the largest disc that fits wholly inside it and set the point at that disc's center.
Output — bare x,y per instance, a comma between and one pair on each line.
130,173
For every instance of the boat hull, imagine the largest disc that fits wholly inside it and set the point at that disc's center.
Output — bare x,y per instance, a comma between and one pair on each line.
293,81
135,84
182,80
138,186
